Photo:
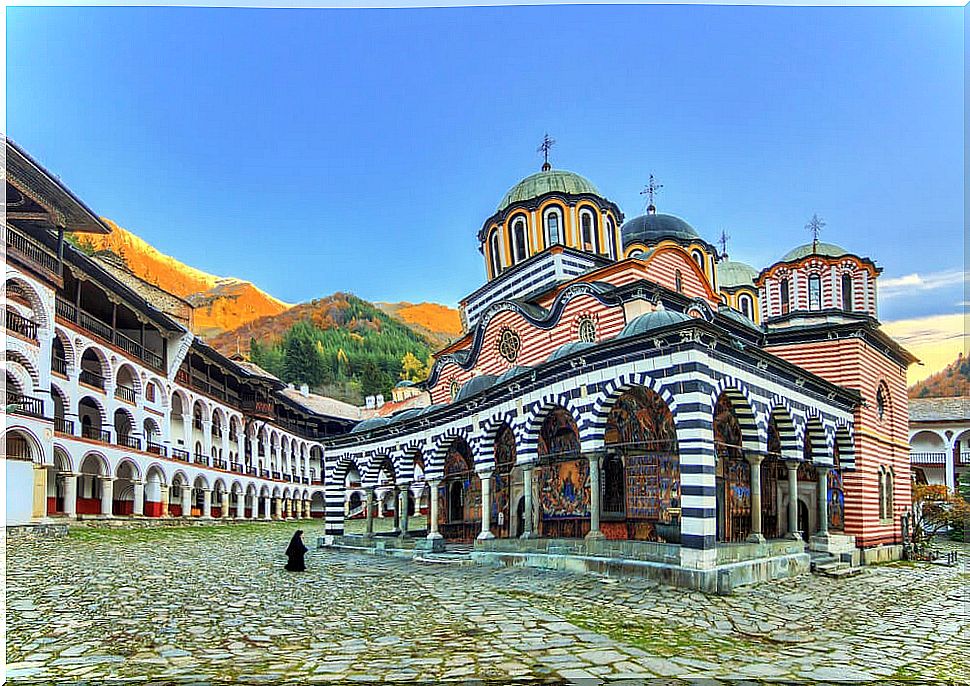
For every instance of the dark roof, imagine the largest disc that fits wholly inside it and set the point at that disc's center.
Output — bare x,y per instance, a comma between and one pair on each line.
939,409
824,249
653,320
651,228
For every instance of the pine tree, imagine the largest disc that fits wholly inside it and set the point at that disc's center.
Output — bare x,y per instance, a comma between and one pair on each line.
302,361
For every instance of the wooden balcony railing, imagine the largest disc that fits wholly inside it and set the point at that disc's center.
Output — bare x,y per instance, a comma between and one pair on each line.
180,455
129,441
63,426
156,448
96,434
200,458
218,464
25,405
17,448
59,365
104,331
125,393
33,250
21,325
91,378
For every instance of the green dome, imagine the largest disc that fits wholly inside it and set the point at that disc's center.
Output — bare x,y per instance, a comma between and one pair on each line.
369,424
732,274
825,249
568,349
652,320
475,385
551,181
651,228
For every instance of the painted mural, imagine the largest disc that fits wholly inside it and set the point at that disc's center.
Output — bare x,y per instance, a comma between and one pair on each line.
502,487
836,495
732,473
558,436
460,494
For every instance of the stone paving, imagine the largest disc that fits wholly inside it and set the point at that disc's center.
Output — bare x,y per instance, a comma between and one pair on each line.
214,604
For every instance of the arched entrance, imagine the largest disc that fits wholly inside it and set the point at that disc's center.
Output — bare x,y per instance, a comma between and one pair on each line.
562,478
461,510
504,450
732,474
641,470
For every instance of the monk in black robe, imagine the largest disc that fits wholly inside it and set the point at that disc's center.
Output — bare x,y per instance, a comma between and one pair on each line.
295,552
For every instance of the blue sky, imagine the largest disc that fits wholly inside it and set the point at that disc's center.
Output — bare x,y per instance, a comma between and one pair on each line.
319,150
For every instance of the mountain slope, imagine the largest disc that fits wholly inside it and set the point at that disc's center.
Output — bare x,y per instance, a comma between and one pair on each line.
221,303
440,324
952,381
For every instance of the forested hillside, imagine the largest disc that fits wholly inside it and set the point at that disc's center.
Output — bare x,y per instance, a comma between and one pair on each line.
341,346
952,381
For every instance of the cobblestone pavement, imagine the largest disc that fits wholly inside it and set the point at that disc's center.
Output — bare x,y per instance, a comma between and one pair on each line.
213,603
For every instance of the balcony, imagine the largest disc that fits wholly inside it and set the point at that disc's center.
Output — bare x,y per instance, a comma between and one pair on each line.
104,331
18,448
218,464
236,467
180,455
125,393
129,442
199,458
156,449
91,378
94,434
25,405
38,256
63,426
264,473
256,406
21,325
59,366
928,458
276,475
251,471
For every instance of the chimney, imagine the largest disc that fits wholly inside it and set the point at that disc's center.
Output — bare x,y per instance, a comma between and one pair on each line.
304,390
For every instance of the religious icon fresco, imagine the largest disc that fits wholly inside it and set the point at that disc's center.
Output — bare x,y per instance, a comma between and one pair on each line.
502,490
460,494
563,483
732,472
836,494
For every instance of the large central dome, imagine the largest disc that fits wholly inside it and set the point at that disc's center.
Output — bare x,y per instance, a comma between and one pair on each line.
651,228
547,181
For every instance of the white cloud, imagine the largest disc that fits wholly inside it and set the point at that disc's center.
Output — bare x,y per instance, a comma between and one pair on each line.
912,284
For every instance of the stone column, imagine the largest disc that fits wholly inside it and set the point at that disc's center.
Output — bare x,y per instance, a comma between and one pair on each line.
163,498
594,497
139,505
225,505
279,507
754,460
207,503
397,510
306,509
186,501
189,444
823,499
107,495
486,532
433,516
241,506
792,500
70,495
267,507
527,525
405,491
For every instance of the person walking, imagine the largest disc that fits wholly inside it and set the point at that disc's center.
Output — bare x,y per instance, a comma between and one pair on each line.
295,553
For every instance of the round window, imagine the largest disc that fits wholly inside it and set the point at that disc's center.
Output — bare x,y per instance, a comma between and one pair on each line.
509,344
587,330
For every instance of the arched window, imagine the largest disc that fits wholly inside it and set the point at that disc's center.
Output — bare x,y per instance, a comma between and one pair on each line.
882,492
493,251
698,258
678,281
746,306
520,245
882,401
553,225
587,224
889,493
847,292
610,237
785,297
814,292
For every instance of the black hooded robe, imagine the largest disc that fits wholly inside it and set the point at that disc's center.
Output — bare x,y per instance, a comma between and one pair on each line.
295,552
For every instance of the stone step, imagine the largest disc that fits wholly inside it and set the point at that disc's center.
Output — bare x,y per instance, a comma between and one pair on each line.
842,571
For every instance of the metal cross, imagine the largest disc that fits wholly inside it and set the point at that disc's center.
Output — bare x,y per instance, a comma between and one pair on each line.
815,226
545,147
650,190
723,240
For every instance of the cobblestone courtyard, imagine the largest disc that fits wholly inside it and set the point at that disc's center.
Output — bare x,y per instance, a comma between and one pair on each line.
213,603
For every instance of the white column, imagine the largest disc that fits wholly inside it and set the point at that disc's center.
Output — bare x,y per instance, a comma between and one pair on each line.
527,526
369,515
594,497
279,507
792,500
70,495
948,466
486,532
107,495
163,499
403,506
189,446
225,505
823,500
139,506
207,503
186,501
267,507
241,506
757,535
433,518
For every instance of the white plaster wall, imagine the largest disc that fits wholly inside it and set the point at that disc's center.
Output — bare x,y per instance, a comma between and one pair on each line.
20,491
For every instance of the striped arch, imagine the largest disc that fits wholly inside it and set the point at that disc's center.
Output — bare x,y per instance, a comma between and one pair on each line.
753,435
533,425
612,391
788,434
815,430
15,357
69,351
845,440
489,432
435,461
39,311
334,492
375,463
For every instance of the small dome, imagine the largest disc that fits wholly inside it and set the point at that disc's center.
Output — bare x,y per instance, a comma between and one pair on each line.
550,181
738,317
731,274
405,415
403,384
475,385
825,249
652,320
651,228
568,349
369,424
511,373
